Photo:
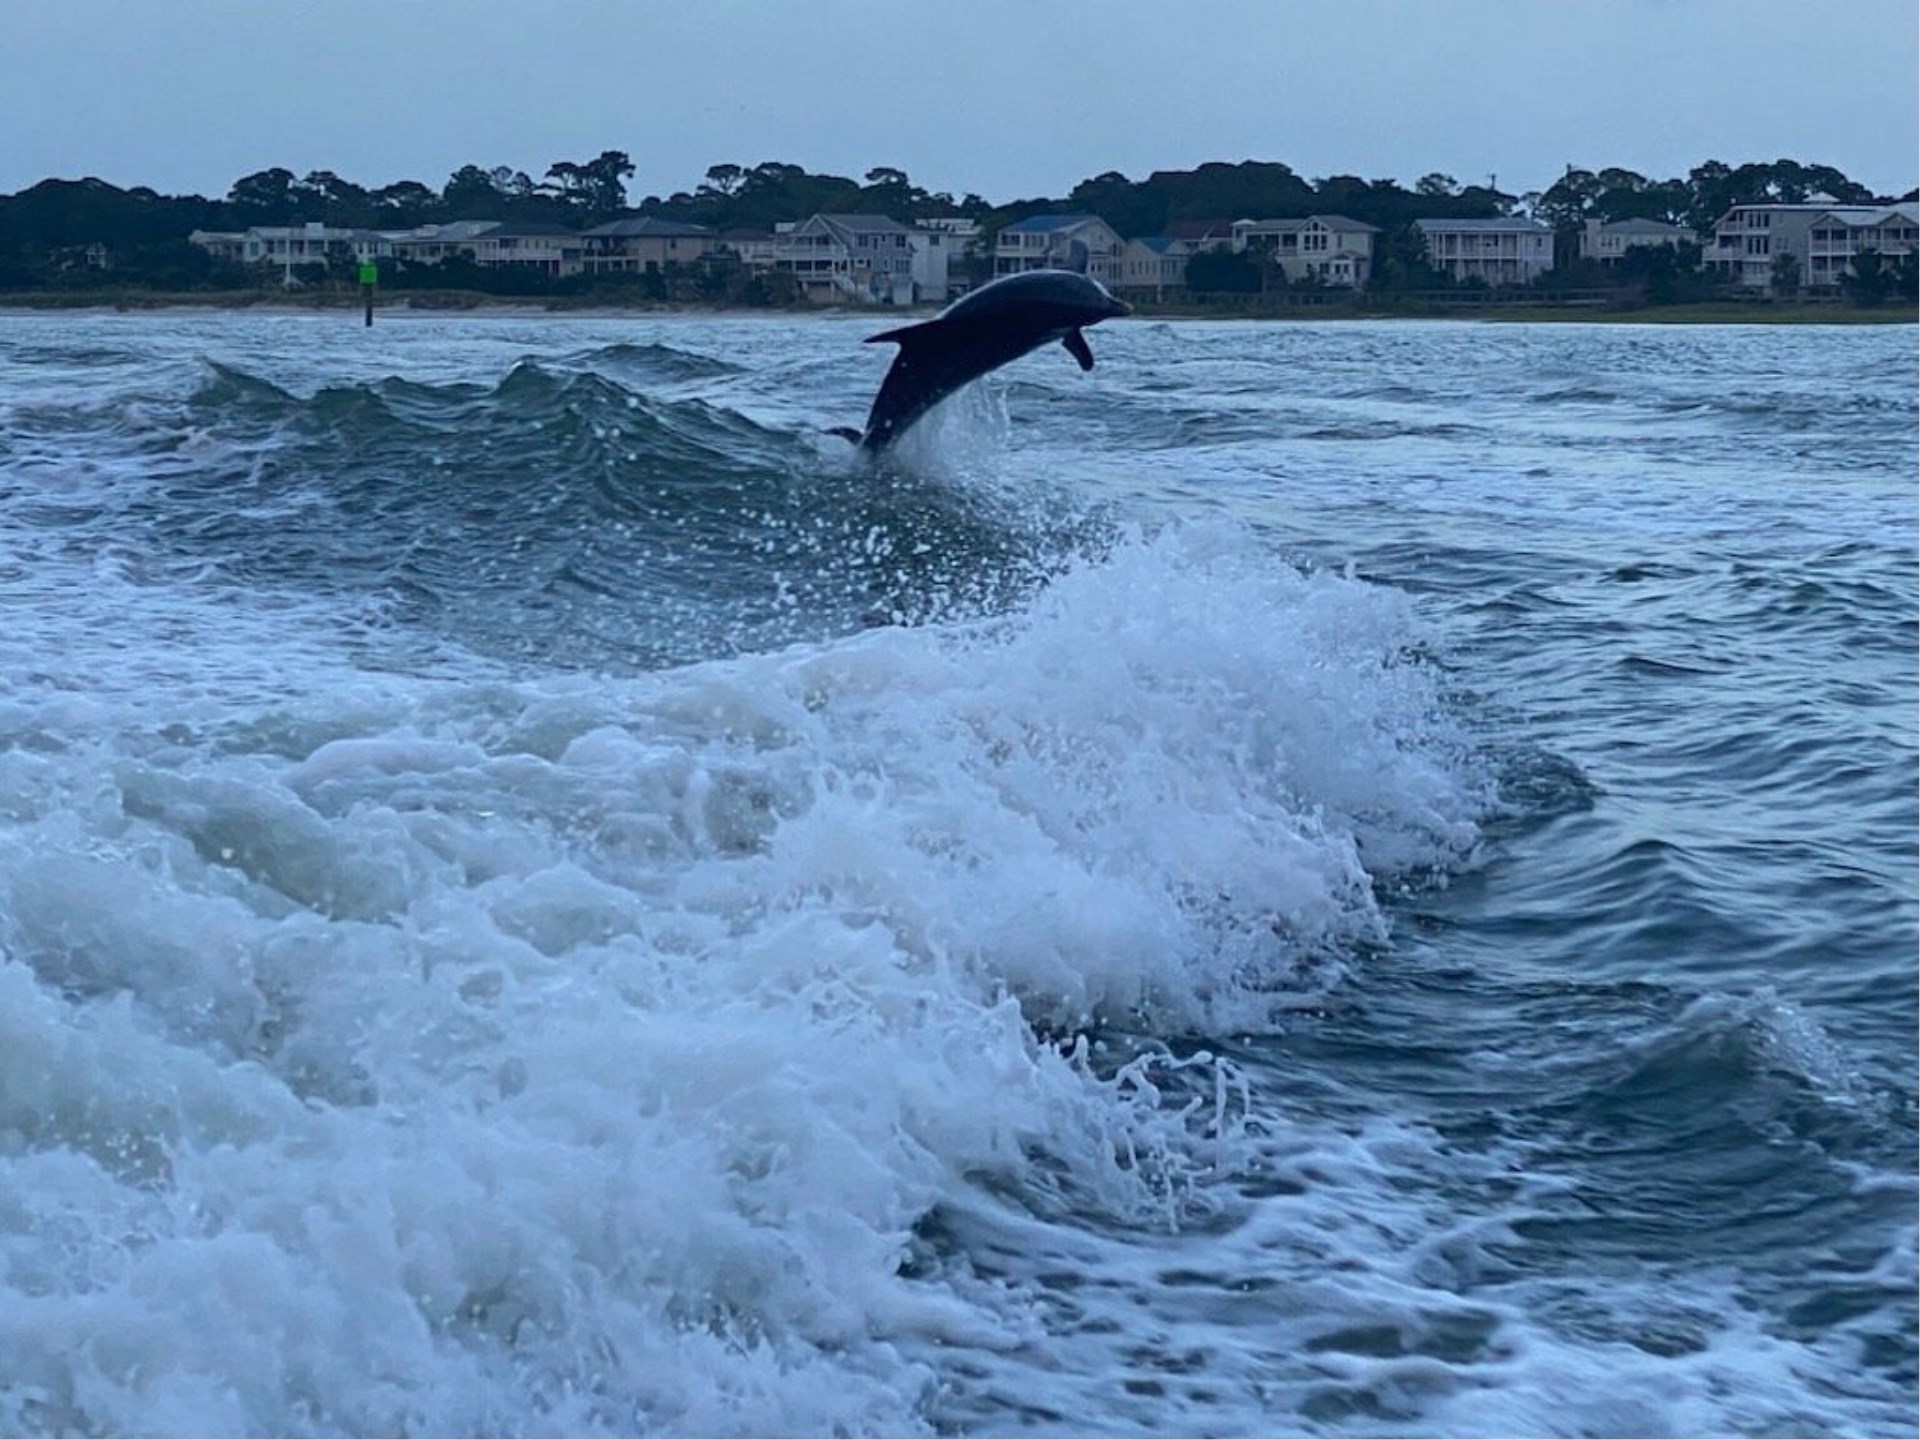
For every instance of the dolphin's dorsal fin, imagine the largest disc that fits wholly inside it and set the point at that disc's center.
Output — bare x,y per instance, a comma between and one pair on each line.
1078,256
904,334
1076,344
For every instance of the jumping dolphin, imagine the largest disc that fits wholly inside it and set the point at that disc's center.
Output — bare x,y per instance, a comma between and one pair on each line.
982,331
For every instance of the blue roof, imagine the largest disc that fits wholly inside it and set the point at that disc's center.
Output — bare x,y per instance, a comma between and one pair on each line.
1040,224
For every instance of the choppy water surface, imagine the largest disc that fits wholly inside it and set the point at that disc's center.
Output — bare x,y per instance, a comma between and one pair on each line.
1322,878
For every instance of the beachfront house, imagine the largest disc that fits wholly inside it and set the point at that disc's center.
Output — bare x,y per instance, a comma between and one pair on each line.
1046,242
753,248
1608,241
430,244
290,245
944,246
222,244
1331,249
1509,251
1840,234
644,243
868,259
530,245
1154,267
1748,239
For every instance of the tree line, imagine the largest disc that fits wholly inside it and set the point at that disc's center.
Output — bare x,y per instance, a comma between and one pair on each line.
59,231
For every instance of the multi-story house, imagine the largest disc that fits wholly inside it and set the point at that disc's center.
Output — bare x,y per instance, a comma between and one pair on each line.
868,258
642,244
1154,266
1608,241
1046,242
1748,239
1509,251
958,242
755,248
430,244
1842,232
221,244
1329,248
530,245
287,246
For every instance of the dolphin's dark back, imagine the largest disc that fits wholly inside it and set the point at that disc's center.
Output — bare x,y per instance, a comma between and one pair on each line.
980,332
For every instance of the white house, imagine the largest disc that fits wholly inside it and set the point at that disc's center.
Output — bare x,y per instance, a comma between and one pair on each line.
1510,251
1836,236
530,245
867,258
430,244
1330,248
1045,242
286,246
755,248
1607,242
221,244
1154,265
936,256
959,238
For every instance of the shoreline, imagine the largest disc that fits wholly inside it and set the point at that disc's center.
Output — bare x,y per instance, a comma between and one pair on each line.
464,304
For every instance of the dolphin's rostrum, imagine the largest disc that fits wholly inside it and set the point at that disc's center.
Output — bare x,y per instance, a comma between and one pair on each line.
982,331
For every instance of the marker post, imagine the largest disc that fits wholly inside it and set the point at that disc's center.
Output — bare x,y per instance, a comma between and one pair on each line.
369,277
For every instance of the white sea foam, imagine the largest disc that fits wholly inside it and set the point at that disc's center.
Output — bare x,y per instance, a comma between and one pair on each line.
460,1055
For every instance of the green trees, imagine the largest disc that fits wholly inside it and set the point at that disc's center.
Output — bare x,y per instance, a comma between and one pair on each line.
1783,275
1221,271
595,191
1873,280
1666,274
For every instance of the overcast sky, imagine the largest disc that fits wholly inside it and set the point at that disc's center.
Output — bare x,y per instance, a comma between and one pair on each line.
1009,98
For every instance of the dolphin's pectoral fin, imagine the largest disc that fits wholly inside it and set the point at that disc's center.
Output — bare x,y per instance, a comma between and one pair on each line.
1076,344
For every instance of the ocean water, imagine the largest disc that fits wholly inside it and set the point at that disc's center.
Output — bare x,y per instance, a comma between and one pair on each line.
1325,878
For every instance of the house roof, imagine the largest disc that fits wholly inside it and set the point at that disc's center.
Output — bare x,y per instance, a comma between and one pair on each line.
866,224
530,229
1161,244
1046,224
1506,224
1639,225
1819,201
312,230
637,226
1329,222
1345,222
1863,217
453,230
